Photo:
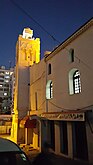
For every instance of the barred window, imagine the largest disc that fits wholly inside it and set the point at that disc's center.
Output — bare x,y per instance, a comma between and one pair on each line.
76,82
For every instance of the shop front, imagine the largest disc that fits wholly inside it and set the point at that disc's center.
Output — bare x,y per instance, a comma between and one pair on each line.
67,133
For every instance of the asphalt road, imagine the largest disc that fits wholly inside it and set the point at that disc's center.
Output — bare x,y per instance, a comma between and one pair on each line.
37,158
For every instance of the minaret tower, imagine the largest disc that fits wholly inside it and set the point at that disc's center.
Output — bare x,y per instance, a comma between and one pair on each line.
27,54
27,48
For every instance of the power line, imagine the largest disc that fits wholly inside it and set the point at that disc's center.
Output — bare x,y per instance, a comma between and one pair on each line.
27,14
67,109
80,60
63,109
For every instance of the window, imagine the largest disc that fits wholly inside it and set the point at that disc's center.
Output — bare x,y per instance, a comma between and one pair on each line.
49,69
25,52
7,77
1,76
6,72
71,55
76,82
6,89
1,72
6,81
1,80
49,90
5,94
31,55
6,85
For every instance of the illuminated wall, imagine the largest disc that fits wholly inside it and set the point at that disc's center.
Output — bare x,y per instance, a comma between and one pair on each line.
27,54
28,49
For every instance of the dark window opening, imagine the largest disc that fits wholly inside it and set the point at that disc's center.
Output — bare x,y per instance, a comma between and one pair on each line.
71,55
49,69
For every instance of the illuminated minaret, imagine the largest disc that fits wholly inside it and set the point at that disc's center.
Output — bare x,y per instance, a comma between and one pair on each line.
27,54
27,48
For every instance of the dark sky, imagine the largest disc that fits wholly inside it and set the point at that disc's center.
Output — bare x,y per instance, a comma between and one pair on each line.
59,18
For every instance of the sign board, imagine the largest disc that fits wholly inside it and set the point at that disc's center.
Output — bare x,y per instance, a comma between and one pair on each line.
64,116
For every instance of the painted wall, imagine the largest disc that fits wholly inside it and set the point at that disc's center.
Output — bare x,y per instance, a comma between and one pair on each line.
38,87
61,66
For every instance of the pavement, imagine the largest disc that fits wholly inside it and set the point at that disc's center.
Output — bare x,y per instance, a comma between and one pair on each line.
53,159
50,158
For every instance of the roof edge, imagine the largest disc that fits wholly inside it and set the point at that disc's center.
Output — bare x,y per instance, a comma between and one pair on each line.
72,37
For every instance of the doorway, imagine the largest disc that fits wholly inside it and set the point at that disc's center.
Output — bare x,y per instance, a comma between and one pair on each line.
63,138
80,149
52,134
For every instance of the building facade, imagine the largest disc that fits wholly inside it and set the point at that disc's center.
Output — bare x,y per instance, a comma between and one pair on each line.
69,95
6,89
54,96
65,113
6,99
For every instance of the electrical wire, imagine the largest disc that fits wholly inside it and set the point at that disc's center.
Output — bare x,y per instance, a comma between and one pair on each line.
42,75
27,14
67,109
63,109
80,60
39,106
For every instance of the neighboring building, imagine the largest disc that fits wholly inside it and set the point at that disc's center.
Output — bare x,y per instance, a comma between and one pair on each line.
53,97
5,90
6,99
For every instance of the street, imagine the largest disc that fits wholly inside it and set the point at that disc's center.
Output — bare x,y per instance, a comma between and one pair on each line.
52,159
48,158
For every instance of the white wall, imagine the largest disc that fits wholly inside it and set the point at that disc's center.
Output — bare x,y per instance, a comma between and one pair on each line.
38,85
83,48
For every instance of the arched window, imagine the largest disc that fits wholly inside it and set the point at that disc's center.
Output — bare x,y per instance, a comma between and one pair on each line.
49,69
74,81
49,90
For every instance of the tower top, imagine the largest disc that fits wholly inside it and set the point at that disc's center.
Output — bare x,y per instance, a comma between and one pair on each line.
27,33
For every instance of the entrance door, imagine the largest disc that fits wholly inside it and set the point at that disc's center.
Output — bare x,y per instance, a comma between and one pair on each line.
52,134
63,138
80,150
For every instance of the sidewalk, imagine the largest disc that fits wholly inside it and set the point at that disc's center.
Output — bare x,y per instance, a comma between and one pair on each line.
53,159
45,158
50,158
61,160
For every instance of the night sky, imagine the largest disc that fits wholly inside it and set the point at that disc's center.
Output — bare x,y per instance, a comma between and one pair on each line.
52,21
